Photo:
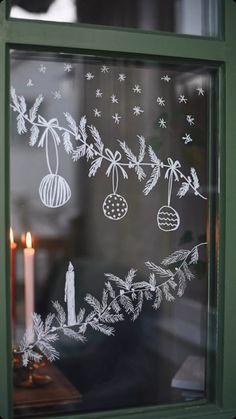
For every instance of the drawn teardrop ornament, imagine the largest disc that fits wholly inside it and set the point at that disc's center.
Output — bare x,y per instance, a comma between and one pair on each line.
168,218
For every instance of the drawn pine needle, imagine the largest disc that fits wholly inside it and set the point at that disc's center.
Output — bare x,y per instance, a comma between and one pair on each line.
189,275
127,304
96,164
91,300
194,256
166,291
160,271
183,189
195,178
158,298
61,315
117,280
139,306
79,152
153,156
182,283
67,142
142,148
175,257
34,110
34,135
129,278
110,289
98,142
103,328
82,128
72,125
152,181
74,335
80,317
129,154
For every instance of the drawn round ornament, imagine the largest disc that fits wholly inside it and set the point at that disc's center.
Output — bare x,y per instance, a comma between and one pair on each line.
168,218
54,191
115,207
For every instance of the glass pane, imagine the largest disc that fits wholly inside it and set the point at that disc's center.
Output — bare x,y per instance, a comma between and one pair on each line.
196,17
109,175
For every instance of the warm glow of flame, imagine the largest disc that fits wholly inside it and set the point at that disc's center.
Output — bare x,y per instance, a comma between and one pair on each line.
11,236
28,240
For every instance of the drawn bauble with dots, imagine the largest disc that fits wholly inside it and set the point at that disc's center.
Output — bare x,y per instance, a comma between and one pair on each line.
168,218
115,207
54,191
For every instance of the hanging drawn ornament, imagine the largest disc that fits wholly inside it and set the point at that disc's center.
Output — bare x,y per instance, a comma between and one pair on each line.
115,206
168,218
54,191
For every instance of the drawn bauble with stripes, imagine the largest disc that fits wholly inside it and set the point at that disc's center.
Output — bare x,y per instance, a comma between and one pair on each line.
115,206
54,190
167,217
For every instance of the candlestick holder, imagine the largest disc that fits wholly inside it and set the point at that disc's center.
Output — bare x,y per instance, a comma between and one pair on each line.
28,376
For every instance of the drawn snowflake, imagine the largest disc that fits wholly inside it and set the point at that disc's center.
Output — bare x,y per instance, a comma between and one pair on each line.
42,68
98,93
30,83
200,91
162,123
187,139
122,77
137,88
104,69
137,110
57,94
97,113
190,119
67,67
161,101
116,118
89,76
182,99
166,78
114,99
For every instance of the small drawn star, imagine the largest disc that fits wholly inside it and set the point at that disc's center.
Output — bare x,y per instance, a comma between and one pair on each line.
137,110
187,139
137,88
162,123
30,83
182,99
166,78
114,99
98,93
97,113
116,118
67,67
122,77
89,76
161,101
42,68
57,94
104,69
200,91
190,119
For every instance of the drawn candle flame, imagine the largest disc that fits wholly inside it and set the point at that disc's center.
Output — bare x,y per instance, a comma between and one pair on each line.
28,240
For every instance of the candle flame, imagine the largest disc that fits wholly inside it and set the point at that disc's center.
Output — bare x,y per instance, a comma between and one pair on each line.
28,240
11,236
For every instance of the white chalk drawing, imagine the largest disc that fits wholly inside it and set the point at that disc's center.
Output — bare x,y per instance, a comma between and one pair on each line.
162,123
98,93
114,99
166,78
121,77
137,88
200,91
121,298
57,95
67,67
70,295
116,118
97,113
137,110
54,190
104,69
30,83
89,76
190,119
187,138
42,68
161,101
182,99
167,217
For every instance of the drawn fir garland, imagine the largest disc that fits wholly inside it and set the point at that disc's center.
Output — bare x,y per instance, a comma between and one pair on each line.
54,191
130,297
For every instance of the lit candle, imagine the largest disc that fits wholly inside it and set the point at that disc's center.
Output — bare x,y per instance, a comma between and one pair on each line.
13,247
29,281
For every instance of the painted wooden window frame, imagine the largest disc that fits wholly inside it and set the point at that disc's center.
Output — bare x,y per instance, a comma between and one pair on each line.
34,35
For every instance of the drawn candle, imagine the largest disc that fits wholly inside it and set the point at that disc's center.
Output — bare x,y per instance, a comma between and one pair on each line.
13,247
29,281
70,295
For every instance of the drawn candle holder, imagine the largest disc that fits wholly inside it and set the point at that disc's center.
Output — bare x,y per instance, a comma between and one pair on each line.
115,206
54,190
167,217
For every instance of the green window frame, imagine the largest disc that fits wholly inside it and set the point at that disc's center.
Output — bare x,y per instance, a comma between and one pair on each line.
34,35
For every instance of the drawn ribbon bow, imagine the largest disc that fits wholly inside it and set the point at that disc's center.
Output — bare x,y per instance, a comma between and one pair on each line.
172,169
114,158
50,126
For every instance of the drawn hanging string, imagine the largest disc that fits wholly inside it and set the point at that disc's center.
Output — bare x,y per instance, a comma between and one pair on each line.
115,206
54,191
167,217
